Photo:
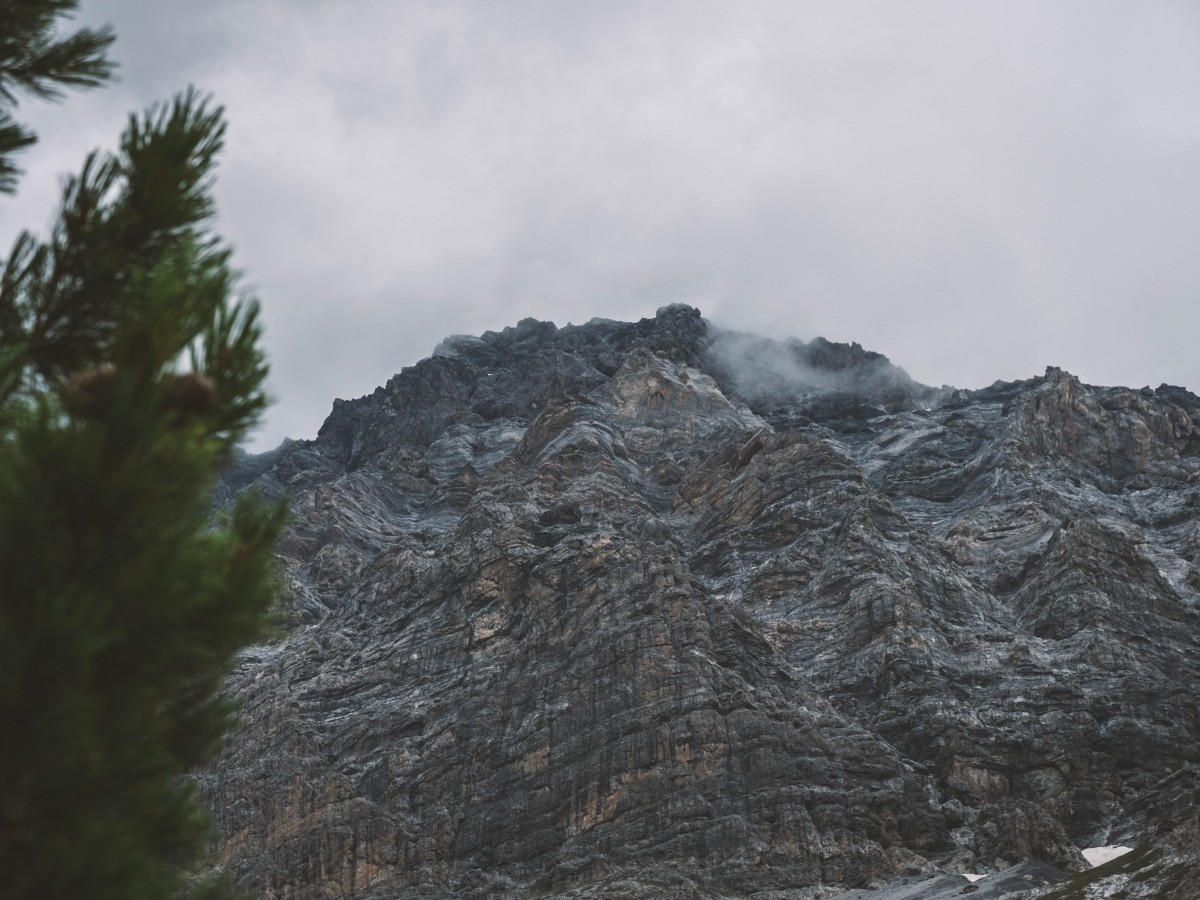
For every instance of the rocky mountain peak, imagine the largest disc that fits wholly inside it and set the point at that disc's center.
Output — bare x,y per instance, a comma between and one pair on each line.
657,609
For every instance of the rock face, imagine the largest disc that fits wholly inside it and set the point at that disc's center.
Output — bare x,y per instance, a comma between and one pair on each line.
654,609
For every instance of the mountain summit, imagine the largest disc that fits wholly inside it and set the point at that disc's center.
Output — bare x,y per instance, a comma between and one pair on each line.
655,609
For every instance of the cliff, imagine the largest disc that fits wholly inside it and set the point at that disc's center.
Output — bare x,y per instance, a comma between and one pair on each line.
653,609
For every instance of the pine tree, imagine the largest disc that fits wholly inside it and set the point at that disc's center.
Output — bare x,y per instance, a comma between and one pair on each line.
129,369
37,61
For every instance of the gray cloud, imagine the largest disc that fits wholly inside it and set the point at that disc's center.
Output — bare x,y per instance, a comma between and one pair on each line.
976,190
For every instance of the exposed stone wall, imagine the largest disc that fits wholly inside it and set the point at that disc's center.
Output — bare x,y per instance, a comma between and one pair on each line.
614,605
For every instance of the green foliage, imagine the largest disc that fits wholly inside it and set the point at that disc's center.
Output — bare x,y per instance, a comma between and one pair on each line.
1141,865
34,60
129,368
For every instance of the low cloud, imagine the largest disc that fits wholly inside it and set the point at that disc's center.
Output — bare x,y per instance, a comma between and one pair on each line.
976,190
764,370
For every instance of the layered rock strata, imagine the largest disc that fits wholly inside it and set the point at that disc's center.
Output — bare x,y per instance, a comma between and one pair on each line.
642,609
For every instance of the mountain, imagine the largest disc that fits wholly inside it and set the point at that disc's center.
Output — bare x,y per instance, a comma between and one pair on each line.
655,609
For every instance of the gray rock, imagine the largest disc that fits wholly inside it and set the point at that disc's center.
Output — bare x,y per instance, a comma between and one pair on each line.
651,609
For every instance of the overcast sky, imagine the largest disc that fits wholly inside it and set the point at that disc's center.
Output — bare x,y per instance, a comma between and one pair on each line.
975,189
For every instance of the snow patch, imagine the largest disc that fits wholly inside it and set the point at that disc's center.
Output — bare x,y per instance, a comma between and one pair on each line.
972,878
1098,856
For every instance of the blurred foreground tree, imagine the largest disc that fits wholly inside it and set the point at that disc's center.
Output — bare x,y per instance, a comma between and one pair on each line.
129,369
35,60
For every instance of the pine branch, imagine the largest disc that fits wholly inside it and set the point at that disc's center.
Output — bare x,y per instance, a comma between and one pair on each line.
37,62
13,139
122,601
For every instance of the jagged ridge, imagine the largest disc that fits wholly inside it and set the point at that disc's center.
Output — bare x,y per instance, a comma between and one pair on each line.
655,607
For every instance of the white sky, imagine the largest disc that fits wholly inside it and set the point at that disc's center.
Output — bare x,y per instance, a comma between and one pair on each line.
975,189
